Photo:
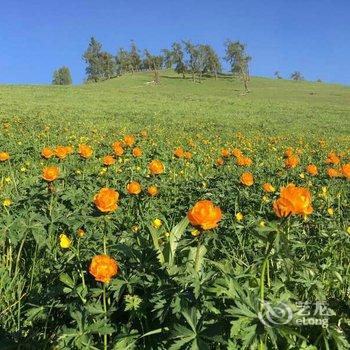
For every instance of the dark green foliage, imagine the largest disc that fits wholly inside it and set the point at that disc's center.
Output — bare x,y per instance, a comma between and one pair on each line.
297,76
62,76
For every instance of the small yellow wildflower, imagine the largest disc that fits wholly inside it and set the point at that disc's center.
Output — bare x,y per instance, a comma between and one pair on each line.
348,230
239,216
157,223
65,241
8,180
302,175
262,223
23,169
7,202
80,232
195,232
330,211
135,228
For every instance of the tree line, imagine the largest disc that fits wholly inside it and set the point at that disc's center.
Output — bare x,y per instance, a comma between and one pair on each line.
185,57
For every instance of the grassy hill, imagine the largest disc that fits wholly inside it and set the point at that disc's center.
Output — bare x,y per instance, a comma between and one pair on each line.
273,106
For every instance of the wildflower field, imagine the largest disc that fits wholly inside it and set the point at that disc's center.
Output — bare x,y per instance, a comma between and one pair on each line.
178,216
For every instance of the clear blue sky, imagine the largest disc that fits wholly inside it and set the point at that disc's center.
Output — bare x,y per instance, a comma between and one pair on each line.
38,36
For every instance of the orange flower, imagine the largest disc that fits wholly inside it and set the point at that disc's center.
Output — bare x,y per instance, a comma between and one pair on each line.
108,160
312,169
205,215
156,167
220,162
243,161
332,158
291,162
137,152
106,200
288,152
61,152
247,179
47,152
267,187
50,173
188,155
4,156
331,172
225,152
103,268
179,152
129,140
237,152
152,191
133,187
85,151
293,200
345,169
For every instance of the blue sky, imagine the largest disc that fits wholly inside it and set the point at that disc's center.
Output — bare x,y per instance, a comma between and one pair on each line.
38,36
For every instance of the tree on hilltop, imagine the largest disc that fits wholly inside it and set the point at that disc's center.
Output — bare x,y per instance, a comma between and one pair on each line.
297,76
154,63
239,60
62,76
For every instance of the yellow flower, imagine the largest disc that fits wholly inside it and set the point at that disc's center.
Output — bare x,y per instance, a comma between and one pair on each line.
135,228
239,216
302,175
330,211
195,232
265,199
8,180
65,241
157,223
80,232
262,223
167,234
348,230
103,171
23,169
7,202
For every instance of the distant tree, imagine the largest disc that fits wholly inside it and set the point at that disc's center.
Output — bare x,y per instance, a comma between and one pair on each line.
177,55
108,65
62,76
123,61
92,57
153,63
134,57
297,76
277,75
212,61
167,58
194,59
319,80
237,57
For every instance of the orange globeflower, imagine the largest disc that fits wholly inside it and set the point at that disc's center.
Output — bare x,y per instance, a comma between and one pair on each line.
312,169
267,187
291,162
4,156
137,152
129,140
85,151
225,152
179,152
243,161
156,167
220,162
188,155
205,215
345,169
293,200
106,200
331,172
237,152
103,268
108,160
133,187
50,173
247,179
152,191
332,158
47,153
288,152
61,152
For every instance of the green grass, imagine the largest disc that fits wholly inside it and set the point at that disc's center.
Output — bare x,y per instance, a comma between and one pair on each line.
273,106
